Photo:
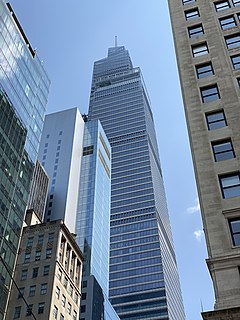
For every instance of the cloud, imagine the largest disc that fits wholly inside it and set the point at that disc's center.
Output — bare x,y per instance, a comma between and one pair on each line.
195,208
198,235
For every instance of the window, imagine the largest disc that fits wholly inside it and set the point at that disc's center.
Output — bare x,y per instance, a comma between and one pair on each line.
236,62
60,133
69,308
20,293
236,2
51,195
38,255
46,270
233,41
32,290
230,185
17,313
204,70
46,145
65,282
29,310
57,293
74,315
48,253
195,31
199,50
51,237
210,93
27,257
59,141
82,309
24,274
238,81
187,1
55,312
56,160
87,150
35,272
76,298
84,284
84,296
192,14
227,22
61,317
30,242
49,212
221,5
234,225
43,288
63,300
50,203
60,274
40,239
41,307
70,290
223,150
58,148
216,120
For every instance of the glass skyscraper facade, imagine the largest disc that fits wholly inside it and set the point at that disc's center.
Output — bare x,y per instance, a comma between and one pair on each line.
24,89
144,281
93,222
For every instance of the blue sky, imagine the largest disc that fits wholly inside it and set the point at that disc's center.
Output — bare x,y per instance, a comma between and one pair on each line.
69,36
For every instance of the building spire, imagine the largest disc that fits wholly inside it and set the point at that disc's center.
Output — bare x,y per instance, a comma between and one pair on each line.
116,42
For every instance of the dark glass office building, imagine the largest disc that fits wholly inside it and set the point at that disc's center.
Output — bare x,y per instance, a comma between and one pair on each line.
144,281
23,96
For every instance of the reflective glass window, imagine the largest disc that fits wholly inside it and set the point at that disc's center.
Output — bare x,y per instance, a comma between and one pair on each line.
210,93
195,31
230,185
234,225
216,120
223,150
204,70
221,5
200,50
233,41
192,14
227,22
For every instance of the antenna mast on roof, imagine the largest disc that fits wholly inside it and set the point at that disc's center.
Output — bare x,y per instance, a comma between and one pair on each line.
116,41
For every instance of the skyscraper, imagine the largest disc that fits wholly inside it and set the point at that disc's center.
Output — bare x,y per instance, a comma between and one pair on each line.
24,89
207,43
60,153
93,222
144,282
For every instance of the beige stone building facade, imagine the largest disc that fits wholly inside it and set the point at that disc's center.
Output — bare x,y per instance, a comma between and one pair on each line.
48,273
207,43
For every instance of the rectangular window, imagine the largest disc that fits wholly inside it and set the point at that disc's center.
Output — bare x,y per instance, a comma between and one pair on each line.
17,312
236,62
195,31
29,310
27,257
84,296
74,315
20,293
236,3
41,308
204,70
76,298
30,242
233,41
87,150
234,225
223,150
55,312
210,93
69,308
51,237
65,282
82,309
60,274
63,300
230,185
37,255
61,317
32,290
24,274
46,270
70,290
188,1
221,5
35,272
43,288
48,253
57,293
227,22
216,120
199,50
192,14
40,239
